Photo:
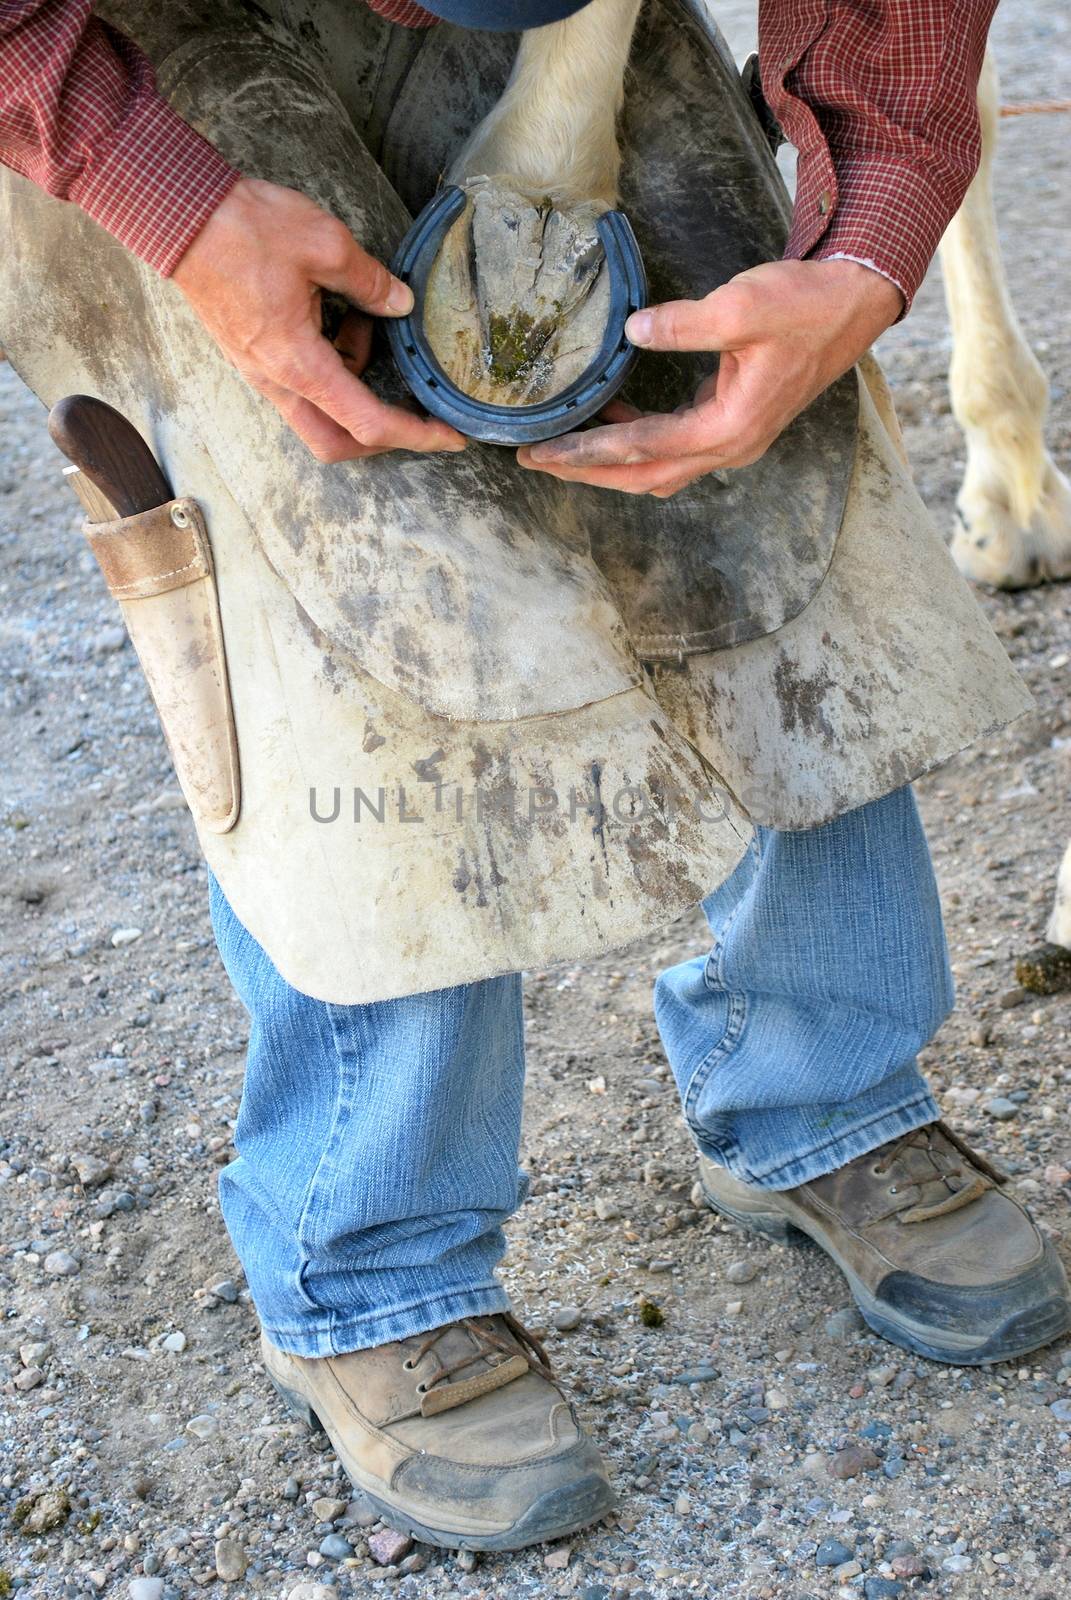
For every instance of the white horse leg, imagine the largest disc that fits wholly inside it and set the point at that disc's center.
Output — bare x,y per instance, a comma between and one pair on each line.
1014,506
554,131
1059,928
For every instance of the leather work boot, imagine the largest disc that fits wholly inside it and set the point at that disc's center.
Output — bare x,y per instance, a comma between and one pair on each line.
940,1258
459,1437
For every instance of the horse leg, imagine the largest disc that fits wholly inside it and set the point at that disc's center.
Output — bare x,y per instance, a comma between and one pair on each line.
1013,525
554,130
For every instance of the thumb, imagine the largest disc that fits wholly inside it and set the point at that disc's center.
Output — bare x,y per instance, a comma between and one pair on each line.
368,284
713,323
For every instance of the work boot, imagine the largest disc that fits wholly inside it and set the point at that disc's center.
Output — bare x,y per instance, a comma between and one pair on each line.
458,1436
939,1256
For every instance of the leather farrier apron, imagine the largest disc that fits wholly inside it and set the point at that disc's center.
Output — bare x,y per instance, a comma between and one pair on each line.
438,717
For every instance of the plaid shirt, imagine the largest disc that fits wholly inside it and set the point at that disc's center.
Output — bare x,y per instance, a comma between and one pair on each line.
877,97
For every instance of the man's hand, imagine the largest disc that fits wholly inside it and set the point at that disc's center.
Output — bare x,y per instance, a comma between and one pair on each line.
785,331
254,274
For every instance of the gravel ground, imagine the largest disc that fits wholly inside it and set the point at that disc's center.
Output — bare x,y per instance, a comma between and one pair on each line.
766,1446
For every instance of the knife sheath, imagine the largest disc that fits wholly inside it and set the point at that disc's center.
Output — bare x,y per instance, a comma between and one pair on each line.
158,566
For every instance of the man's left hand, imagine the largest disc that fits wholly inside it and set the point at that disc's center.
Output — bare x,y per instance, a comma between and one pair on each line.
785,331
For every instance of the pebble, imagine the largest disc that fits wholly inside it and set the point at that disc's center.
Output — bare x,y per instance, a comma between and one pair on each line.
843,1323
226,1289
831,1553
145,1588
1061,1410
29,1378
312,1591
174,1342
34,1352
693,1375
91,1170
291,1489
123,936
336,1548
568,1318
852,1460
558,1560
1001,1108
231,1560
881,1377
876,1588
606,1210
326,1510
466,1560
1012,998
388,1546
683,1505
61,1264
203,1426
777,1400
911,1566
742,1271
957,1564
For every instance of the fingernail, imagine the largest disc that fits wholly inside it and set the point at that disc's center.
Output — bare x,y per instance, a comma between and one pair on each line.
639,327
400,298
541,453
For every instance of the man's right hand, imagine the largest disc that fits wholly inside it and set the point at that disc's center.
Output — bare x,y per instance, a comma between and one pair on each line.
253,275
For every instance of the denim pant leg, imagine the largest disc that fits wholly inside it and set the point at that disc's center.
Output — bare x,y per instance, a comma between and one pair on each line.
377,1154
793,1043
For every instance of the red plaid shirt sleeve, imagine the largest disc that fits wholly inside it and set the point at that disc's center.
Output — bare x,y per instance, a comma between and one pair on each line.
80,116
879,98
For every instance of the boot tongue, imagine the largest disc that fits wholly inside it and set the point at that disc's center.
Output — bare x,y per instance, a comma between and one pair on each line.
935,1180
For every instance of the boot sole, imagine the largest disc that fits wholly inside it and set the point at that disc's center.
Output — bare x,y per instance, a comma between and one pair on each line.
1019,1334
553,1516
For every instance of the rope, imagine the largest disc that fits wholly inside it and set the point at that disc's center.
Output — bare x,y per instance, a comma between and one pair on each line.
1029,107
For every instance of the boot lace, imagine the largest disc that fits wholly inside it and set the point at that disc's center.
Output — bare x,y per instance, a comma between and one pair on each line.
927,1173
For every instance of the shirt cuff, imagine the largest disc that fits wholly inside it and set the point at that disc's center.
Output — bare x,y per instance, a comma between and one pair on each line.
890,217
155,184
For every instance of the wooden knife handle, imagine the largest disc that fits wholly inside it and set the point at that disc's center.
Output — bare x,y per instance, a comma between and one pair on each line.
110,452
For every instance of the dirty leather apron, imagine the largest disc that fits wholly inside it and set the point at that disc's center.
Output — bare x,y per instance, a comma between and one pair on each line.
485,720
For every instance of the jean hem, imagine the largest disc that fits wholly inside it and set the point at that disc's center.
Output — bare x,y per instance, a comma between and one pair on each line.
339,1335
822,1159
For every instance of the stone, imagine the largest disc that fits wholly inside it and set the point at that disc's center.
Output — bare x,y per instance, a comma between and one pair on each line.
557,1560
61,1264
852,1460
231,1560
226,1290
312,1591
1061,1410
291,1489
606,1210
908,1566
957,1563
843,1323
145,1588
1012,998
881,1377
1001,1108
174,1342
204,1426
876,1588
741,1271
568,1318
831,1553
124,936
682,1506
34,1352
91,1170
694,1375
327,1510
336,1548
777,1400
29,1378
388,1546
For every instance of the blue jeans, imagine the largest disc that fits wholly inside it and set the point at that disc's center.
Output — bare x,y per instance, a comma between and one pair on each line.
378,1144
